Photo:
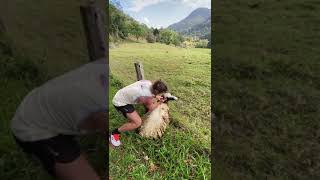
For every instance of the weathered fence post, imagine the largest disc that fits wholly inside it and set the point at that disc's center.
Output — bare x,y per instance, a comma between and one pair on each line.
93,22
139,70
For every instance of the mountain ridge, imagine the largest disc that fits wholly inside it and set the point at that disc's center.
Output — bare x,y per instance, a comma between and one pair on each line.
197,23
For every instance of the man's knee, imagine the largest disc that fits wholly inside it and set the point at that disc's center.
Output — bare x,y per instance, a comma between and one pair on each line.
137,122
135,119
78,169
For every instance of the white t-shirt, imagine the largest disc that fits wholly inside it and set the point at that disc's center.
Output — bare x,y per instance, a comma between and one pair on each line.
130,94
61,104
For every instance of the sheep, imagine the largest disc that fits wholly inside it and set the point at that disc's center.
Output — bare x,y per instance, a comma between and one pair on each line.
155,122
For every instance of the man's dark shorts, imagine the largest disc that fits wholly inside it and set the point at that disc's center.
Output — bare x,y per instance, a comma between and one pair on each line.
125,109
61,149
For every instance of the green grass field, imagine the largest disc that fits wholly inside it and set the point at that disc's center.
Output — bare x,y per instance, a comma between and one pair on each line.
42,45
184,150
266,84
40,32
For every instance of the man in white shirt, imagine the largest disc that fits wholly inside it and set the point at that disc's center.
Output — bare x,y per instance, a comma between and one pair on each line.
50,116
141,92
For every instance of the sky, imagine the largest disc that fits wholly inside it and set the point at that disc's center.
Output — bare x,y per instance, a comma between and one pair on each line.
161,13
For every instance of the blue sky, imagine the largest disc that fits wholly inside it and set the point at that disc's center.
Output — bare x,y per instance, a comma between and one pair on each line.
161,13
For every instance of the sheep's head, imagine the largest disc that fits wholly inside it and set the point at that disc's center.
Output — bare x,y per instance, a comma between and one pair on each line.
168,97
154,123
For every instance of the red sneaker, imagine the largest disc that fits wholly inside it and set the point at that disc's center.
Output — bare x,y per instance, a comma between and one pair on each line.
115,139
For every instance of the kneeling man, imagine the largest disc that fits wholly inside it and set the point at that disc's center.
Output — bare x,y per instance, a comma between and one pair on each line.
144,92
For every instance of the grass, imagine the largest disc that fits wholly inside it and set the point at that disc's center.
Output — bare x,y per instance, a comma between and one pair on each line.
266,85
184,151
42,44
18,75
38,31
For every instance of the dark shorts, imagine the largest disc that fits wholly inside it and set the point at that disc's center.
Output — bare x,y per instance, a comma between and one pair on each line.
61,148
125,109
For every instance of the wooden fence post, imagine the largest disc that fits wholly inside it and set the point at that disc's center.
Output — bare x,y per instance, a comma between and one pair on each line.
139,70
93,22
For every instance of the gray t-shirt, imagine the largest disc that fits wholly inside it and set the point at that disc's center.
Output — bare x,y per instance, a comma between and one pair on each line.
59,106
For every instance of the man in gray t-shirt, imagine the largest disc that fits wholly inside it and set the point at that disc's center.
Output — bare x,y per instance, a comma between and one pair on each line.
49,117
144,92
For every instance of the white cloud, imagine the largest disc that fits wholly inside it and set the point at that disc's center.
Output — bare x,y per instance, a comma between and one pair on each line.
196,3
138,5
146,20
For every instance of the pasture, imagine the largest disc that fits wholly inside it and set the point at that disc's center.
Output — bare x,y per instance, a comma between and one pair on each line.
184,151
266,85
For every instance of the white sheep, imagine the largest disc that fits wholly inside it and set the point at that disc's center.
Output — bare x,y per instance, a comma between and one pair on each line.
155,122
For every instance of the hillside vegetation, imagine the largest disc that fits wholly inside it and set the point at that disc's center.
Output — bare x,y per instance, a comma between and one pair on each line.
184,150
267,89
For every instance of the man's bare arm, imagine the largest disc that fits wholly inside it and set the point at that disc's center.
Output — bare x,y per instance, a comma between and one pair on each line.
145,100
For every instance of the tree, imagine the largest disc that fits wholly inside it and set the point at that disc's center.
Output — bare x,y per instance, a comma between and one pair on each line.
180,39
170,37
209,38
165,36
118,23
156,34
137,30
121,25
151,38
203,43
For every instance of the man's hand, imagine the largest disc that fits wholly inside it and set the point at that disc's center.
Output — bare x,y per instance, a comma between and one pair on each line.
160,98
151,102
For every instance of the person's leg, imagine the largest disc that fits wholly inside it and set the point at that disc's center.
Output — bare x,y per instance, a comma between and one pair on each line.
79,169
69,163
60,156
134,121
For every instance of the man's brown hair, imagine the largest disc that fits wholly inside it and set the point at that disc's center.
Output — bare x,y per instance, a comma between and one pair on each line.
159,87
